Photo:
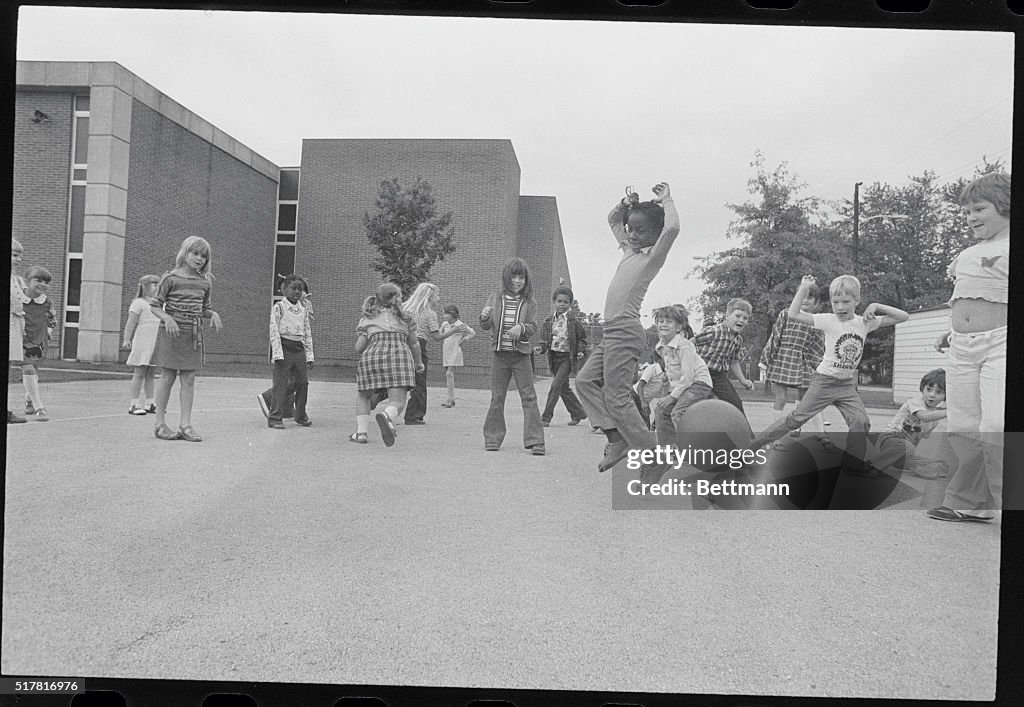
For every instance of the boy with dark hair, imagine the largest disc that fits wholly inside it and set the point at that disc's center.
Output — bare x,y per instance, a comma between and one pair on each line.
266,398
291,345
564,340
914,421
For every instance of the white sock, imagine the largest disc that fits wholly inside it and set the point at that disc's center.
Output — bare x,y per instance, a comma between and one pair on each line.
150,401
391,411
31,382
362,423
134,402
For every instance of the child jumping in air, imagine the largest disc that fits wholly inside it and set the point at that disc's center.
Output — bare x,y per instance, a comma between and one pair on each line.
511,316
451,348
291,346
564,340
720,346
389,357
140,337
39,322
16,342
789,358
835,381
644,232
915,420
976,343
182,303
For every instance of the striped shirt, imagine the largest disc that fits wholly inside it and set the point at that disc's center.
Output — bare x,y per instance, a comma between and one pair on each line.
510,306
184,298
426,323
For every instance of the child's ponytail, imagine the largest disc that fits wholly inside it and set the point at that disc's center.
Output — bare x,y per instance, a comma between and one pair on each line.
371,306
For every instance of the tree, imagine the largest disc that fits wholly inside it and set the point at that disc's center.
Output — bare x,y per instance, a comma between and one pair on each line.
903,260
409,233
781,241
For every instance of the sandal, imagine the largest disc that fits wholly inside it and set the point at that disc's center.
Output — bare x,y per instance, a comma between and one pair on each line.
359,437
166,433
188,434
943,513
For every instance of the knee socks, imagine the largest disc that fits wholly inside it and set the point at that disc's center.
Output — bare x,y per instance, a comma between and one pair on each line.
31,382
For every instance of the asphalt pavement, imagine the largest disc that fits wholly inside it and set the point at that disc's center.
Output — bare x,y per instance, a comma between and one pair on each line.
298,556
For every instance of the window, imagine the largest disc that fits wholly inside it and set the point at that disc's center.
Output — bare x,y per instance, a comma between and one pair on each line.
287,217
75,228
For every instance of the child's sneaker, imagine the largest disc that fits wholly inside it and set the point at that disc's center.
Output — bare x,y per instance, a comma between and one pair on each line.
40,416
264,405
387,429
151,409
136,410
537,450
29,408
304,422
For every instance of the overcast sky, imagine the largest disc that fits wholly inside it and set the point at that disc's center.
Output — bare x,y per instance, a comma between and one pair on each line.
590,107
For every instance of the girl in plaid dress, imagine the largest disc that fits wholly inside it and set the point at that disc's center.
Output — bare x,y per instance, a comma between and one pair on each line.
792,353
389,357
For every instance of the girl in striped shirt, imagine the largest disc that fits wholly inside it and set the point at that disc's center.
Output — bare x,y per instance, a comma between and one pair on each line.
511,317
182,302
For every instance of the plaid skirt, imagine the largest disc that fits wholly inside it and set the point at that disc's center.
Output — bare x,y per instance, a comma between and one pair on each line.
386,362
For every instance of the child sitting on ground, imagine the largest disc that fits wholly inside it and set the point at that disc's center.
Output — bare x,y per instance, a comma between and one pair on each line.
915,421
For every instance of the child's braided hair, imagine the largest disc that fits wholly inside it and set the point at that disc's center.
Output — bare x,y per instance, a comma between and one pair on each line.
651,211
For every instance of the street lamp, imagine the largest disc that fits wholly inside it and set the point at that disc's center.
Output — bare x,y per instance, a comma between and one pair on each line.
857,220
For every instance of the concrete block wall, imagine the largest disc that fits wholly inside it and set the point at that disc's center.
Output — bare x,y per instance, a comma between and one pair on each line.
181,185
478,180
42,179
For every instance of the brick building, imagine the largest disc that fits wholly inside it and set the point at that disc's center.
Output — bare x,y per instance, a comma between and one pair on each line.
110,175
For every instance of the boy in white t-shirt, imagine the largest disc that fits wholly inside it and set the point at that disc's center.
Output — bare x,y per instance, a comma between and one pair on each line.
835,380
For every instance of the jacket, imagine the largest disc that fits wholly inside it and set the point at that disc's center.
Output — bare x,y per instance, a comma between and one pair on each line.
527,317
577,340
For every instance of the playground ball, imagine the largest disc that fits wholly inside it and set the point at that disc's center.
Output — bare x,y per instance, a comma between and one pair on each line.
715,429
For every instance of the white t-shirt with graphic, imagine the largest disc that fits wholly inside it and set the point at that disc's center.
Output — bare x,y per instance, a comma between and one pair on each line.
844,343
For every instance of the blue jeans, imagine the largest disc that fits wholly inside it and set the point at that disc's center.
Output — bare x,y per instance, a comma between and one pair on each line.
975,403
605,383
822,392
668,421
560,364
508,365
416,408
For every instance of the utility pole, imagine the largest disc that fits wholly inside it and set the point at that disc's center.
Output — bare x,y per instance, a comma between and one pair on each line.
856,227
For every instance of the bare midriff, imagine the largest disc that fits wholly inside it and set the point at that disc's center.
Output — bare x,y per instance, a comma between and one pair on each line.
973,315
